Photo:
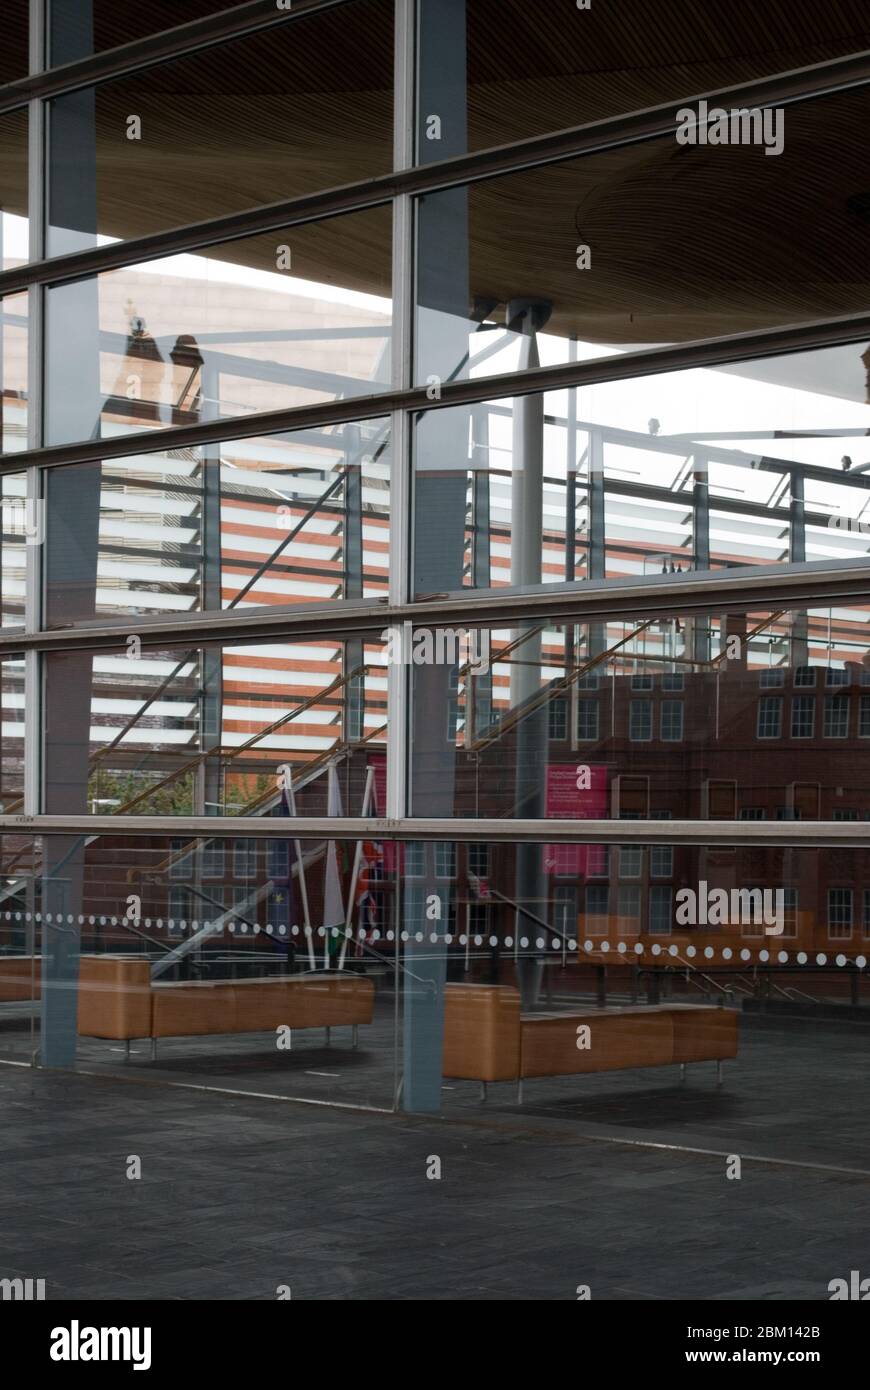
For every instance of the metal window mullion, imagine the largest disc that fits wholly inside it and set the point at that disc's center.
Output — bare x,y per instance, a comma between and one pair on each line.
234,22
705,352
818,584
33,582
401,480
594,137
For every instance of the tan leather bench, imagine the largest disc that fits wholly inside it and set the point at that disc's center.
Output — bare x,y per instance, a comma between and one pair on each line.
180,1009
116,1000
486,1038
19,978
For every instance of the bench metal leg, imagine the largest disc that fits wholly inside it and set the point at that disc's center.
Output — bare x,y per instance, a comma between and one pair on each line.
483,1090
519,1090
126,1049
356,1035
719,1074
328,1037
153,1049
682,1073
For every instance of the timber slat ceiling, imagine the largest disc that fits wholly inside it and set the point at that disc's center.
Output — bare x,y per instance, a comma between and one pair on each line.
686,243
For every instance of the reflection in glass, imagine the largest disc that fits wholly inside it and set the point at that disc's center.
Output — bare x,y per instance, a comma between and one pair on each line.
12,755
646,245
14,50
690,718
20,870
211,731
13,373
270,322
14,247
234,126
535,69
78,28
415,975
295,518
762,463
22,524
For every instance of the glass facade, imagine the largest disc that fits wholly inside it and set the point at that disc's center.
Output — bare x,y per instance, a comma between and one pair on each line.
409,437
252,327
265,105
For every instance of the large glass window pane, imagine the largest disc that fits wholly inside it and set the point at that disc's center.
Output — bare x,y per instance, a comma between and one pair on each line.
22,527
13,373
730,961
761,463
254,121
526,69
278,981
294,518
78,28
266,323
248,729
20,921
729,749
646,245
14,248
12,720
15,48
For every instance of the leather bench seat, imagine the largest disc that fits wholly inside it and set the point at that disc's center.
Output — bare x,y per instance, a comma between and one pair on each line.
19,978
703,1034
487,1038
618,1038
114,997
481,1032
192,1009
116,1000
180,1009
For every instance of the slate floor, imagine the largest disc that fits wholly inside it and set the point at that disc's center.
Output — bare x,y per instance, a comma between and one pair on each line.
239,1196
797,1091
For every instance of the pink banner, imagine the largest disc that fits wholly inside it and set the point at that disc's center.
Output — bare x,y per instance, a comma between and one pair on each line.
575,791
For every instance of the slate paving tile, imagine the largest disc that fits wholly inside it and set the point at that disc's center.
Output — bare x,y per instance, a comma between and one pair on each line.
514,1216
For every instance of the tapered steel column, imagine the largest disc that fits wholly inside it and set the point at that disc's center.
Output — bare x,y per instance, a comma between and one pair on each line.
527,515
440,488
72,534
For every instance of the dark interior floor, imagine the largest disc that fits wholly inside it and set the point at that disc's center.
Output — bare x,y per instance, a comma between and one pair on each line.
796,1092
239,1196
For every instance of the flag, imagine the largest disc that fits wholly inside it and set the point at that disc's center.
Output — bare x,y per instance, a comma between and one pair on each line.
369,880
479,888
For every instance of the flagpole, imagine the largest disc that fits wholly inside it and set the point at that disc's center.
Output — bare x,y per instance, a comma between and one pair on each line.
306,919
333,902
370,779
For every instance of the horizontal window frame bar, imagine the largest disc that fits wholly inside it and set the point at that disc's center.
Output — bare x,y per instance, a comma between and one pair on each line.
800,84
726,834
814,584
702,352
182,39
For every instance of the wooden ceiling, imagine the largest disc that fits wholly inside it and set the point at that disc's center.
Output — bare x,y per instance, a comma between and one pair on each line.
685,242
538,65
